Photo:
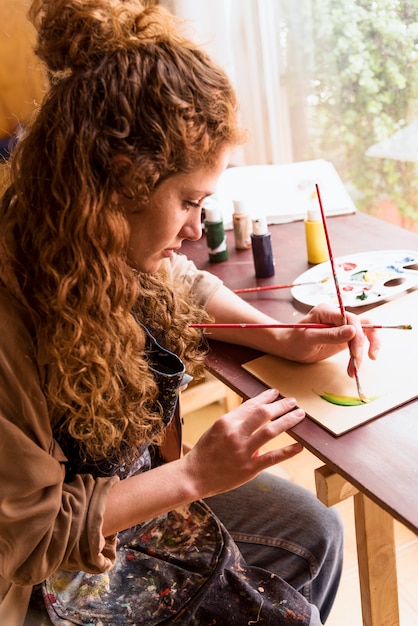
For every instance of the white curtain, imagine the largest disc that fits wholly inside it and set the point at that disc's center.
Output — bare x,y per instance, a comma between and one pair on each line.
244,37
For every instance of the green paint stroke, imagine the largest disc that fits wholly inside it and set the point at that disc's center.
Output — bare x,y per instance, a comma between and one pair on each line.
334,398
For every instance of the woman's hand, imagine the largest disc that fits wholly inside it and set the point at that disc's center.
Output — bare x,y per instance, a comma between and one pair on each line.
303,345
311,345
228,453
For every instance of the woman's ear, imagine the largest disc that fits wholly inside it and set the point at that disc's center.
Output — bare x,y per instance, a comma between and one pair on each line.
121,174
120,163
124,190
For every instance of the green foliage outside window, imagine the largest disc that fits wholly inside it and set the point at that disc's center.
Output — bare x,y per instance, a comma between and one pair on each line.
352,75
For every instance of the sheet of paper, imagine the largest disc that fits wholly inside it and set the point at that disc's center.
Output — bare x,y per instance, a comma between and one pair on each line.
282,193
391,379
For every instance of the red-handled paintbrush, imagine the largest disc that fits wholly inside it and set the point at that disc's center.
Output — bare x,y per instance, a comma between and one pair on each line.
361,395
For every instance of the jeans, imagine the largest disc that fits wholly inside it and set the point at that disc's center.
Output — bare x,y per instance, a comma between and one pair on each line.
285,529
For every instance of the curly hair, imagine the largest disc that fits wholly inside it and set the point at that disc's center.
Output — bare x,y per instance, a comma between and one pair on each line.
124,81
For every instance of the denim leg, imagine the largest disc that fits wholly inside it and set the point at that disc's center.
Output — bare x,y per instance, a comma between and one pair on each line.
285,529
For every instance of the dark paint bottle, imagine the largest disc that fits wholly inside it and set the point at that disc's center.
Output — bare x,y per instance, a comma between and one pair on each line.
262,249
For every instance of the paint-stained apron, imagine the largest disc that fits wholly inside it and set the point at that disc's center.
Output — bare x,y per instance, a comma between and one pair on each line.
180,568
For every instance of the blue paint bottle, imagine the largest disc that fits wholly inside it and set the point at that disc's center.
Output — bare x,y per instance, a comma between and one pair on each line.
262,249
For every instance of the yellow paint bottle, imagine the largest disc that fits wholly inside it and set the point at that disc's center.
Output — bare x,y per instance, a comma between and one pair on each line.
316,244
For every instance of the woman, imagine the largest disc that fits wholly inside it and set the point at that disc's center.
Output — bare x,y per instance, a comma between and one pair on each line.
101,520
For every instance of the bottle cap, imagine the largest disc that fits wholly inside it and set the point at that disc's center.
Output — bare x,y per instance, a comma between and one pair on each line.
239,207
213,212
314,213
260,226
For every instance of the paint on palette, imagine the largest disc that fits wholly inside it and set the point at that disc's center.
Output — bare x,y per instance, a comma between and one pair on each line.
370,278
373,276
367,276
363,278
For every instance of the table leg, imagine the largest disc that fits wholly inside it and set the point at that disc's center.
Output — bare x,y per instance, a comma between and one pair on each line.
376,557
376,554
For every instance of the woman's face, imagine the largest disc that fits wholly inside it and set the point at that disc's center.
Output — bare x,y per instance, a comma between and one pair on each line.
173,214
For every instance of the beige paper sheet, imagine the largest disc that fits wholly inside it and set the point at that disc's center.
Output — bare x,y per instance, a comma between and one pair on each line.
392,378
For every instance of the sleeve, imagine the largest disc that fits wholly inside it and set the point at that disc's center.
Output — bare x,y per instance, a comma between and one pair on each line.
45,523
202,284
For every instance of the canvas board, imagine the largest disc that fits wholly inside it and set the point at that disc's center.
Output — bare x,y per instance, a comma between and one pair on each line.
392,379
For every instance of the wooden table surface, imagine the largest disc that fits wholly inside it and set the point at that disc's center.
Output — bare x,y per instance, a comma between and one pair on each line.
380,457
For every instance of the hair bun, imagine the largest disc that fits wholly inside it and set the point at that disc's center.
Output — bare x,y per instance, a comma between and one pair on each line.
71,33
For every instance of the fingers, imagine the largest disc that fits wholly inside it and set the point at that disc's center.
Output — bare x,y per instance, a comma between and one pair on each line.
337,333
352,332
273,457
326,314
357,343
272,429
262,418
374,346
228,453
373,337
262,409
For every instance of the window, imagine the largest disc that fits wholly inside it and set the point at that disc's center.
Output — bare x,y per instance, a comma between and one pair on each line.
333,79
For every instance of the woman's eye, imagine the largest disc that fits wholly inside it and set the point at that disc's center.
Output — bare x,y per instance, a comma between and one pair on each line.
193,205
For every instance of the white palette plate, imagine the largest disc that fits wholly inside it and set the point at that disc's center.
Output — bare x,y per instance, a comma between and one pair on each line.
364,278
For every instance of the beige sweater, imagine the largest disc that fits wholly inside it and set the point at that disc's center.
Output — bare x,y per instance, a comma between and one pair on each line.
45,523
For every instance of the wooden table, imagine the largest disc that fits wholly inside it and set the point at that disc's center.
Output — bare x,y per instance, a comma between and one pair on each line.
376,462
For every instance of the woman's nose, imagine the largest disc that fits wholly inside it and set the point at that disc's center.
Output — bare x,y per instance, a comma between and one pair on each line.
192,229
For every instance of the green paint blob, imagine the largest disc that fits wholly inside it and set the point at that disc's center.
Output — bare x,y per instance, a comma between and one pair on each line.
362,296
334,398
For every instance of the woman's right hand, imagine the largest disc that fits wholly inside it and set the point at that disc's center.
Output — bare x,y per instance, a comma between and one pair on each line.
228,454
